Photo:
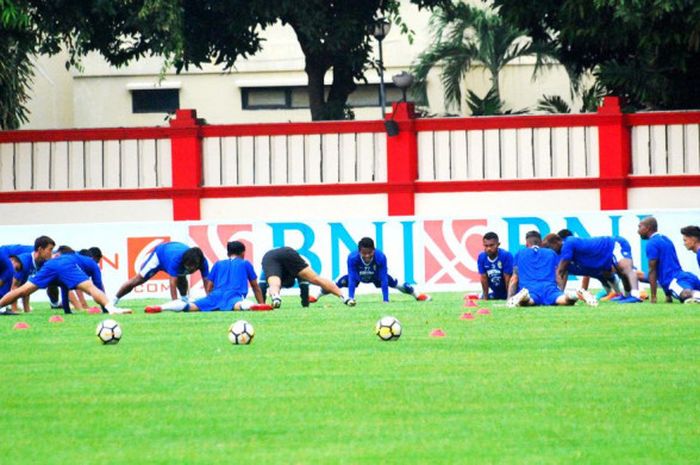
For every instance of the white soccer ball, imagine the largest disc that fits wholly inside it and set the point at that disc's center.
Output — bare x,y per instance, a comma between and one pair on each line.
241,332
388,328
109,332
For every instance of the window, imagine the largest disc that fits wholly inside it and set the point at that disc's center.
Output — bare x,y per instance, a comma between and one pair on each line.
155,100
296,97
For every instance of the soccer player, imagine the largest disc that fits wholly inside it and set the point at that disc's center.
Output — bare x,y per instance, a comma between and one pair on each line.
87,265
600,253
228,283
495,267
691,240
66,271
368,264
176,259
664,267
31,263
283,265
9,265
534,276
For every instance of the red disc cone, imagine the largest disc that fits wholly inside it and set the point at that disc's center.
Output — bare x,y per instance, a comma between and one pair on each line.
94,310
21,325
466,316
56,319
483,311
437,333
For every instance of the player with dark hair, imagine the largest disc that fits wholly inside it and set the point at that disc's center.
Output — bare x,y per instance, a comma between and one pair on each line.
495,266
282,266
664,267
31,263
9,265
691,240
534,280
368,264
176,259
228,287
65,270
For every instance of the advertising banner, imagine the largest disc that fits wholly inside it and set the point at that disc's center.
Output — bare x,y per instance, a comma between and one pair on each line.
438,254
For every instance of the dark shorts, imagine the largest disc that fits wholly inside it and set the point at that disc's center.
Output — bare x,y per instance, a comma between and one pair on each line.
285,263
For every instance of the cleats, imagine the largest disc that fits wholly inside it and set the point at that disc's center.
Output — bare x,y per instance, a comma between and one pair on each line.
630,300
260,307
153,309
692,300
423,298
120,311
617,298
276,302
349,302
586,296
521,296
312,299
609,296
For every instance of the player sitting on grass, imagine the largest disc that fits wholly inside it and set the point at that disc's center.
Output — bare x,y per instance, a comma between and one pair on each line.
64,270
664,267
281,267
691,240
600,253
368,264
176,259
228,287
534,277
495,267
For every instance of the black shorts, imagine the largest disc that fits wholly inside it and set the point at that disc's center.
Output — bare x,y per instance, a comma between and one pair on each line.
285,263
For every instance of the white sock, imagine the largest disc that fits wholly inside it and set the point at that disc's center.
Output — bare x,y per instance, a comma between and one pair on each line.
175,306
110,307
115,301
246,304
635,293
571,295
275,296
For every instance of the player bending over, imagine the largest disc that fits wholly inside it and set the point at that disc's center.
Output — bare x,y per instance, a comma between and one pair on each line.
534,276
31,263
228,287
281,267
368,264
664,267
176,259
64,270
495,267
691,240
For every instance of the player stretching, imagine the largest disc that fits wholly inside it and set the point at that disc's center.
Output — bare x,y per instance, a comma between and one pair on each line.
534,276
281,267
229,279
31,263
495,267
691,240
368,264
664,267
176,259
64,270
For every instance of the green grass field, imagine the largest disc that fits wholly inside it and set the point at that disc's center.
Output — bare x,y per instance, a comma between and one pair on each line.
615,384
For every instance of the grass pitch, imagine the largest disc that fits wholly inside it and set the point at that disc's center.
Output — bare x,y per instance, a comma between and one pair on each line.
618,384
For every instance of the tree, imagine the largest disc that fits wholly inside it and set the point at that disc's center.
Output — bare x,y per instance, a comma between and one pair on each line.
333,34
464,35
646,51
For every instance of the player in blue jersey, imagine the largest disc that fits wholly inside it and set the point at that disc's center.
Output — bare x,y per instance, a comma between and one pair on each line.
87,265
176,259
495,266
228,283
535,276
64,270
31,263
600,253
691,240
664,267
368,264
9,265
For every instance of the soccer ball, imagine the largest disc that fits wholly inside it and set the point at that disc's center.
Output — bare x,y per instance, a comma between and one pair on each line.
109,332
388,328
241,332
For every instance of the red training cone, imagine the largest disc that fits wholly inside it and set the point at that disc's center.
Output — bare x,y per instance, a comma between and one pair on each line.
483,311
94,310
21,325
437,333
469,303
56,319
466,316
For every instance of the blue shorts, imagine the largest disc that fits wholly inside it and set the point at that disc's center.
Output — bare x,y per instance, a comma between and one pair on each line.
344,281
545,295
57,271
218,300
683,280
621,250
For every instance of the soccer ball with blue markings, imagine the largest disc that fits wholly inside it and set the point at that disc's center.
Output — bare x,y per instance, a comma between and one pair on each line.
109,332
241,333
388,328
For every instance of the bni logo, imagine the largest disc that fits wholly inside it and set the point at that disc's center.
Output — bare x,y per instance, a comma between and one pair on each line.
138,250
452,249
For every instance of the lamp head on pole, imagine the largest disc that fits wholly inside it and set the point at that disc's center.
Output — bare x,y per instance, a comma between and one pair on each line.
403,81
381,29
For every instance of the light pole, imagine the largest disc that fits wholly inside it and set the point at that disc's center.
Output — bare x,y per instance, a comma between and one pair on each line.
380,31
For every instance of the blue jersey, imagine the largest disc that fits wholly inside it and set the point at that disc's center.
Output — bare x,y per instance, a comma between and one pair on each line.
7,272
495,270
595,253
170,258
91,269
661,249
361,272
230,278
537,266
63,270
15,249
29,267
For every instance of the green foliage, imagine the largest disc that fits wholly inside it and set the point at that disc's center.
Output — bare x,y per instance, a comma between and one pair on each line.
607,385
464,35
646,51
553,104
